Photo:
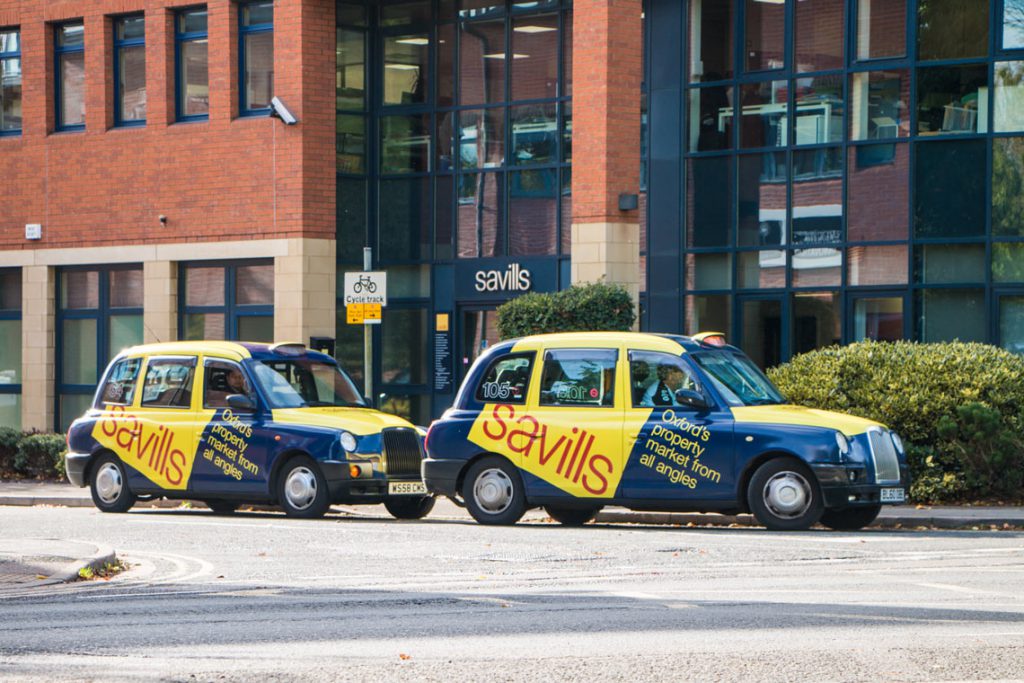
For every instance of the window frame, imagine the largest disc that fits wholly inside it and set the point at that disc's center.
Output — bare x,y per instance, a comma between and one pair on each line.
687,370
231,309
529,356
245,31
119,45
11,55
207,362
58,81
98,403
614,352
141,388
180,38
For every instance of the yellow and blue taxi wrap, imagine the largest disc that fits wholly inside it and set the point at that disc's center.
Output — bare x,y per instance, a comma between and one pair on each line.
230,423
573,422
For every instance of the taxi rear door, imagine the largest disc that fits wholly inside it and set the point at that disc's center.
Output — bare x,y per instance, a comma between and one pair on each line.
571,434
673,451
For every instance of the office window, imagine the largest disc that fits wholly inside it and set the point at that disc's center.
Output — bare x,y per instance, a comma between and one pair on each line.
10,347
10,82
952,100
819,35
881,28
765,46
406,60
192,55
949,184
1009,97
70,81
952,29
130,70
711,34
232,300
1008,187
879,100
1013,24
256,49
99,313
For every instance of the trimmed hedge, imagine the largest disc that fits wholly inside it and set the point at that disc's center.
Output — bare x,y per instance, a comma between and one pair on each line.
31,455
581,308
959,408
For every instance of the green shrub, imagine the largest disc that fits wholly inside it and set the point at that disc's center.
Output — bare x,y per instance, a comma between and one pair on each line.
41,456
590,307
9,440
958,406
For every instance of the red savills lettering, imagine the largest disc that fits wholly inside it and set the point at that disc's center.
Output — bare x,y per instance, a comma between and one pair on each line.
581,467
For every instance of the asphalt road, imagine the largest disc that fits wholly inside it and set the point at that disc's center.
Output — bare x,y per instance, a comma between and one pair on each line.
262,597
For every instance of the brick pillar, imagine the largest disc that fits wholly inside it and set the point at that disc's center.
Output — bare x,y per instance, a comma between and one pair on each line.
160,301
305,290
37,347
607,71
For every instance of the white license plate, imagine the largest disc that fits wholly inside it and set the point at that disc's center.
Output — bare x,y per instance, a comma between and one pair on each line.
407,488
892,495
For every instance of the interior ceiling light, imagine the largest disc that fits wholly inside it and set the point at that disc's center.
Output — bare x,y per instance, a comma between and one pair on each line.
402,67
534,29
413,41
499,55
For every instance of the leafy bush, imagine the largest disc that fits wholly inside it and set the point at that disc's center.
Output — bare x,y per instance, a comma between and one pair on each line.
958,406
41,456
589,307
9,440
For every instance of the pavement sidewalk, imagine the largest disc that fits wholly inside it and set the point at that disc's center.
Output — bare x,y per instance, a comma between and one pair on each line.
893,516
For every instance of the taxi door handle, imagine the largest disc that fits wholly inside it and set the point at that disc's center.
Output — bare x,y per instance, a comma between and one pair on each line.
641,435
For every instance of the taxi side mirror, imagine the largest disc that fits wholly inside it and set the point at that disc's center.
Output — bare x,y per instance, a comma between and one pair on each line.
693,399
240,403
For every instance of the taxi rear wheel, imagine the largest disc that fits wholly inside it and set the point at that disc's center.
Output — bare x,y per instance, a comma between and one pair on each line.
221,507
850,519
413,507
571,516
302,489
493,491
784,495
108,484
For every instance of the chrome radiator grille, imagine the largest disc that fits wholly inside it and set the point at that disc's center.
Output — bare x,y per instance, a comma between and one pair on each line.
883,452
401,452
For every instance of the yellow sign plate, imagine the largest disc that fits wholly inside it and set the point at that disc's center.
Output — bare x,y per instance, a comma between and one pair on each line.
354,314
371,311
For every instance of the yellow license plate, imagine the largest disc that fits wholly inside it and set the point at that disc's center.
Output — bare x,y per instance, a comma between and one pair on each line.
407,488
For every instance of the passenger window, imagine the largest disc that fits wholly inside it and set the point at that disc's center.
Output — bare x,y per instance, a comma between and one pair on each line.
507,379
119,389
222,379
654,378
578,377
169,383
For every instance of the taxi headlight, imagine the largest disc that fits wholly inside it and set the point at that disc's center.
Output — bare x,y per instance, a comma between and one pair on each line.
897,441
348,442
844,445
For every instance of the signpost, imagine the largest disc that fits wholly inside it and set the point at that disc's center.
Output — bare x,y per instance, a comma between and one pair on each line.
366,293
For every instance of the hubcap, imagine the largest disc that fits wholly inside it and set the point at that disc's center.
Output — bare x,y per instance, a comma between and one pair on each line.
493,491
108,482
787,494
300,488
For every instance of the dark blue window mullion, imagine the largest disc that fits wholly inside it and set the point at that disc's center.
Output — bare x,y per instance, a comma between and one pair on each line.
59,50
119,45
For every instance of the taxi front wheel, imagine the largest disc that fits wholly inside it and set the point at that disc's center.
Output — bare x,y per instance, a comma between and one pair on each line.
108,484
302,489
416,507
571,516
784,495
493,491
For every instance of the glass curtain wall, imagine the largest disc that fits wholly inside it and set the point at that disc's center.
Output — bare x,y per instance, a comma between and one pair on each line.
861,161
453,142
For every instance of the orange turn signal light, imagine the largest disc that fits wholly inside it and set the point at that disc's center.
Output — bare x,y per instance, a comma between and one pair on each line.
354,471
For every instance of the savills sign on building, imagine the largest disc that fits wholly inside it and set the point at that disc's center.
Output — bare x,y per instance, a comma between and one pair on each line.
514,278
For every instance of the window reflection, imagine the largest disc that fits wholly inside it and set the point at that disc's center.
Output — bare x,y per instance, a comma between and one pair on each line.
709,203
482,62
709,312
939,166
481,138
952,99
1013,24
765,45
405,69
877,193
950,314
819,34
819,110
405,219
877,265
481,212
535,57
762,199
879,318
534,134
711,118
765,269
818,196
405,142
949,263
711,44
1008,186
950,29
532,214
1009,97
816,320
349,78
879,102
881,28
764,114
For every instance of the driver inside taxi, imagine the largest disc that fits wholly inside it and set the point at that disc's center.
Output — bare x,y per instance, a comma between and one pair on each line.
662,392
236,382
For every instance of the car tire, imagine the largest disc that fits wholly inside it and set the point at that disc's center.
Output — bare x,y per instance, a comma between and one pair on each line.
413,507
493,491
221,507
302,489
850,519
108,484
784,495
571,516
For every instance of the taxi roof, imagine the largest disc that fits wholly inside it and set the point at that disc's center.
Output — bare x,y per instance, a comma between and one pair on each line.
225,349
648,341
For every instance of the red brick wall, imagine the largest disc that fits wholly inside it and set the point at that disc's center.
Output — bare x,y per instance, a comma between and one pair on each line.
224,179
607,70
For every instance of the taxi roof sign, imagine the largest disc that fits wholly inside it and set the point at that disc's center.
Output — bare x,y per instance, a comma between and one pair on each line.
711,338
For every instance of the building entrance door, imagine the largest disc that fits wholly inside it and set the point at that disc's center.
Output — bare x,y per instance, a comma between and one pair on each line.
1009,317
760,330
478,331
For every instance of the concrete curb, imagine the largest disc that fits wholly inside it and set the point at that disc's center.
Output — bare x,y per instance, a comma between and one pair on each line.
747,520
69,572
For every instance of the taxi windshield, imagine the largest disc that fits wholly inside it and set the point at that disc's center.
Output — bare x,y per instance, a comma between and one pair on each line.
739,381
306,384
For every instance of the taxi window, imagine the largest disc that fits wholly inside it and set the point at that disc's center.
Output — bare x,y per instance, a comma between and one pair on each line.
119,389
169,383
222,379
655,377
507,379
578,377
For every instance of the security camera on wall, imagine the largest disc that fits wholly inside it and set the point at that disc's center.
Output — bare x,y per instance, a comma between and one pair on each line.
279,110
